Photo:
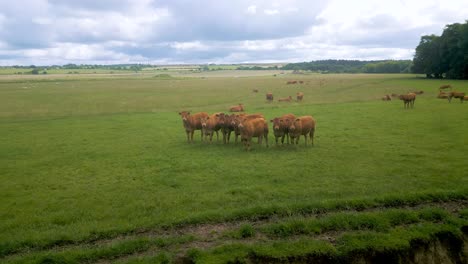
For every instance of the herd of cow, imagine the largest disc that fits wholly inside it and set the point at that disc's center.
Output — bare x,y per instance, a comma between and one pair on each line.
408,99
248,126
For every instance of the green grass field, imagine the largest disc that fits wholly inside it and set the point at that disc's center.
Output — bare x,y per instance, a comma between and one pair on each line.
98,169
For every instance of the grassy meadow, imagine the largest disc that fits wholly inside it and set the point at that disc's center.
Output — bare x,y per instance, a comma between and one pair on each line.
99,168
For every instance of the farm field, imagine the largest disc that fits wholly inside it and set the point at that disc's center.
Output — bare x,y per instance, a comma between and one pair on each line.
99,169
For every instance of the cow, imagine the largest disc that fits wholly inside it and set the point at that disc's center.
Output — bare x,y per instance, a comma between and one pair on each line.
418,92
210,124
445,86
237,108
226,126
304,125
291,82
281,127
459,95
255,90
286,99
192,123
299,96
236,119
301,82
269,97
386,98
408,99
442,95
249,128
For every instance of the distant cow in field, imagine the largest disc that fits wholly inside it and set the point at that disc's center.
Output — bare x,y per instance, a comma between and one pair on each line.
304,125
301,82
299,96
445,86
419,92
269,97
291,82
286,99
408,99
281,127
255,90
386,98
459,95
237,108
210,124
192,123
250,128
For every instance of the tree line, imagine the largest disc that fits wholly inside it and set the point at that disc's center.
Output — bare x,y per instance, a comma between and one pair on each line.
444,56
352,66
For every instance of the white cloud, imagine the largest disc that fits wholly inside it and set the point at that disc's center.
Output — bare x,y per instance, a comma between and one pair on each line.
252,9
271,12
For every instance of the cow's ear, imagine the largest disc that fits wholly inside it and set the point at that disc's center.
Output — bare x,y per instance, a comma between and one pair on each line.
207,117
297,119
271,120
180,113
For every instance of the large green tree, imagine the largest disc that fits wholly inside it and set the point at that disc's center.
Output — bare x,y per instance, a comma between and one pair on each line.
444,56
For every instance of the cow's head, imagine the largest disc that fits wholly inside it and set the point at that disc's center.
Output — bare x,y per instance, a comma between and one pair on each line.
184,115
277,123
203,121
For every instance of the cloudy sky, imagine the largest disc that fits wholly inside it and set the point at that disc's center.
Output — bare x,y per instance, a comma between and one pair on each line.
44,32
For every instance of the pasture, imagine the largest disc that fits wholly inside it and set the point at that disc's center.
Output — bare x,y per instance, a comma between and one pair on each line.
99,169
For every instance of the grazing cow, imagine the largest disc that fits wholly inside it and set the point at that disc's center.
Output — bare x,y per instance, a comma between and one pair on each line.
249,128
255,90
237,108
419,92
299,96
286,99
281,127
269,97
445,86
301,82
192,123
465,98
408,99
442,95
459,95
386,98
304,125
210,124
291,82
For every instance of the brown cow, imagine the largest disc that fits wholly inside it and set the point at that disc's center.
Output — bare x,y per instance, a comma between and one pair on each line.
301,82
386,98
299,96
226,127
460,95
250,128
442,95
236,119
192,123
237,108
210,124
255,90
419,92
445,86
269,97
304,125
408,99
281,127
286,99
291,82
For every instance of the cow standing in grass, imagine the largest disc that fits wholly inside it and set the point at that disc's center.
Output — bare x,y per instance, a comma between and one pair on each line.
237,108
192,123
408,99
269,97
249,128
459,95
304,125
226,126
281,127
299,96
286,99
210,125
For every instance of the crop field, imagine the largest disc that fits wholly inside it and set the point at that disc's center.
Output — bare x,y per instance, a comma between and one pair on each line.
96,169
